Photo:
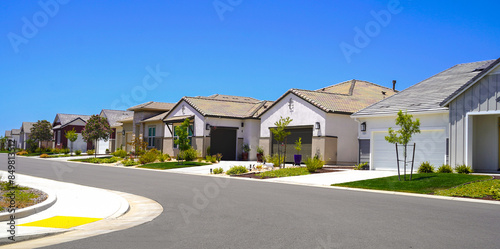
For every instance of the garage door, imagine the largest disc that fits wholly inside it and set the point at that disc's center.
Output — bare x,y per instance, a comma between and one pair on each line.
102,146
79,144
223,140
431,146
305,134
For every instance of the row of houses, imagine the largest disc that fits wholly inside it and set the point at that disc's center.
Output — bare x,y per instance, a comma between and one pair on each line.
345,123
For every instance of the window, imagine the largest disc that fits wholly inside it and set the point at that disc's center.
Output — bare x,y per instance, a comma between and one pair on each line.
190,135
151,136
58,137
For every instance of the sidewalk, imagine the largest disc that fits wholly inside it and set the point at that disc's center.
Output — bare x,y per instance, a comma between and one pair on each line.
73,205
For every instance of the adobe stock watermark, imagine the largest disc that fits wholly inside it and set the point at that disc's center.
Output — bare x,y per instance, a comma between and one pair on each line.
223,6
31,26
201,198
372,29
139,93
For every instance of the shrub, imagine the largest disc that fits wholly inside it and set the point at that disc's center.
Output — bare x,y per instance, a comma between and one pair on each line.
212,159
495,192
426,167
190,154
130,162
236,170
218,156
218,170
107,151
161,157
259,167
149,157
120,153
20,153
56,151
78,152
275,159
109,160
314,163
361,166
65,151
445,168
44,156
90,152
463,169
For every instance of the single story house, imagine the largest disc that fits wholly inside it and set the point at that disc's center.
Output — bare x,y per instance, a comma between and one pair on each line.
147,124
222,122
459,116
15,135
25,134
125,131
321,118
113,116
8,134
66,122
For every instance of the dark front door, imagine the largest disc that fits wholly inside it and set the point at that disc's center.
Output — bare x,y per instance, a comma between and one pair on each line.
305,134
364,151
223,140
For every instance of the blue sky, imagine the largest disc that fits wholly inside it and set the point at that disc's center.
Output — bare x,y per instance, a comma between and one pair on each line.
79,57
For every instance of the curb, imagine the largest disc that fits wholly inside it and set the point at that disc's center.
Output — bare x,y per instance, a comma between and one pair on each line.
24,212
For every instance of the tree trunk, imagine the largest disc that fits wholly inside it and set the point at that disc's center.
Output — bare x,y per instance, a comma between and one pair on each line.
404,152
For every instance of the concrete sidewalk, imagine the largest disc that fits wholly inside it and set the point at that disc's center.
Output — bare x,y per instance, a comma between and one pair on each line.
74,205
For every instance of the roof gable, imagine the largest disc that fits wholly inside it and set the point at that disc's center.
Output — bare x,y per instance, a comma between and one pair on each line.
113,116
65,119
151,105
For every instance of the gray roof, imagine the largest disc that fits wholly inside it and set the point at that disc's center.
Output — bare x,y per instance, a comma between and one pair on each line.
26,127
158,117
8,133
15,131
114,116
151,105
68,118
430,93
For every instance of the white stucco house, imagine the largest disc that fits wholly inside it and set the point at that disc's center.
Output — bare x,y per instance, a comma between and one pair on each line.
25,134
222,122
321,118
113,116
459,116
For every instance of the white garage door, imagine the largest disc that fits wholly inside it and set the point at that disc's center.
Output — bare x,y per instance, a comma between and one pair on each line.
431,146
79,144
102,146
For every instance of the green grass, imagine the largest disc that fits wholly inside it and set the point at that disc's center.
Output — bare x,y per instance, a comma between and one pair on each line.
90,160
474,190
421,183
284,172
172,165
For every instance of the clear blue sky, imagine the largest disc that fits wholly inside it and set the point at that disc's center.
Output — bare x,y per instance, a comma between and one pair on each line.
83,56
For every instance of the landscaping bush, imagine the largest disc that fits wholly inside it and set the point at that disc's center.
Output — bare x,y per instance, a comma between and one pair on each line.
120,153
20,153
218,157
78,152
314,163
445,168
495,192
212,159
218,170
130,162
426,167
275,159
149,157
65,151
162,157
109,160
463,169
55,150
90,152
236,170
44,156
190,154
361,166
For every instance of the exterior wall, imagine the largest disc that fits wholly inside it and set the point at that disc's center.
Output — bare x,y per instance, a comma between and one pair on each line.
480,99
160,129
326,147
78,125
16,137
345,129
380,124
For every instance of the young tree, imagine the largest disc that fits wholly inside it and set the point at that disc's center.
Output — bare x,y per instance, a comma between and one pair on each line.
280,134
41,131
403,135
97,127
71,136
3,142
182,137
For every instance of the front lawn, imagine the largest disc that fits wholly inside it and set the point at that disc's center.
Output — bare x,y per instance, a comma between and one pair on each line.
284,172
421,183
108,159
172,165
482,189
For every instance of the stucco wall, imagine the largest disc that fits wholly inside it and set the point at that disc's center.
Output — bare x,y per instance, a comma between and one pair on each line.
345,129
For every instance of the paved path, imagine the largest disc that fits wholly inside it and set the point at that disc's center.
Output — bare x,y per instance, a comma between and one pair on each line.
220,212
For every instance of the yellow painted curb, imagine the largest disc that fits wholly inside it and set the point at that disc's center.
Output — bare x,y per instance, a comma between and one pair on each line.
61,222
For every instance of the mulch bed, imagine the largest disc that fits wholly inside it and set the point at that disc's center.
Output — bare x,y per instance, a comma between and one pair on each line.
255,176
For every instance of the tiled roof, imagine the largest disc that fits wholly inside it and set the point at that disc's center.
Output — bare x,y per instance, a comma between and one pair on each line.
158,117
124,120
8,133
346,97
226,106
151,105
428,94
68,118
26,127
114,116
15,131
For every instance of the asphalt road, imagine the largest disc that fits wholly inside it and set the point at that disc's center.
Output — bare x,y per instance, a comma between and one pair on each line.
210,212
